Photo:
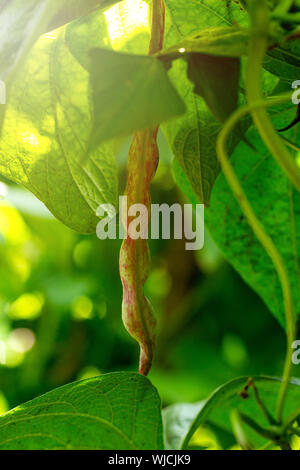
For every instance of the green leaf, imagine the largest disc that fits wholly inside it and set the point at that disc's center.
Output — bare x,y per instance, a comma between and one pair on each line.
192,137
23,22
129,93
45,137
284,61
212,76
177,420
220,41
183,182
276,204
117,411
213,65
227,397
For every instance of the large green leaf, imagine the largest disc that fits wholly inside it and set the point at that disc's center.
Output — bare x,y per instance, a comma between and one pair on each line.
193,136
284,61
228,397
118,411
130,92
46,133
23,22
276,204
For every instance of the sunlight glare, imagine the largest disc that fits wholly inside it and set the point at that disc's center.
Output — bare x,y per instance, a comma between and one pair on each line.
126,18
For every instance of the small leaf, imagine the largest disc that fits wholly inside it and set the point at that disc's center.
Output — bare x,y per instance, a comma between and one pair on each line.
216,79
118,411
129,93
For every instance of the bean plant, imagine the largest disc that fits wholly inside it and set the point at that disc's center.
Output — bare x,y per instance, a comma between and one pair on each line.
219,79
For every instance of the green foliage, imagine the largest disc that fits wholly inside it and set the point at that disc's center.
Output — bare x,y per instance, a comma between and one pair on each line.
73,95
277,205
284,61
144,85
116,411
211,75
192,138
217,408
47,129
23,22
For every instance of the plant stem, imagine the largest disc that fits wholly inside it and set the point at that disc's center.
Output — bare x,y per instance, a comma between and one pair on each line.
261,234
258,46
283,7
291,145
291,418
293,18
158,26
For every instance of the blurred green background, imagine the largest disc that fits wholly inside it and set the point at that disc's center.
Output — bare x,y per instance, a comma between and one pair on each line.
60,306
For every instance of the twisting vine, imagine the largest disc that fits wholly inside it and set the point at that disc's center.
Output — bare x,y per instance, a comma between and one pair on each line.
260,233
143,159
260,27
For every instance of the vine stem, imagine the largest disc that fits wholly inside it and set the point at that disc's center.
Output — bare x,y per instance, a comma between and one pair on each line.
261,234
258,45
260,19
293,18
134,263
283,7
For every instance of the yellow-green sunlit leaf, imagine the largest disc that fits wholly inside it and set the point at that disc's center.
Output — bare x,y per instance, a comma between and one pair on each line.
45,135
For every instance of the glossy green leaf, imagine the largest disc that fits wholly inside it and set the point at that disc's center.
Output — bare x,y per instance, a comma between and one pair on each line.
227,397
129,93
276,204
45,137
118,411
192,137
